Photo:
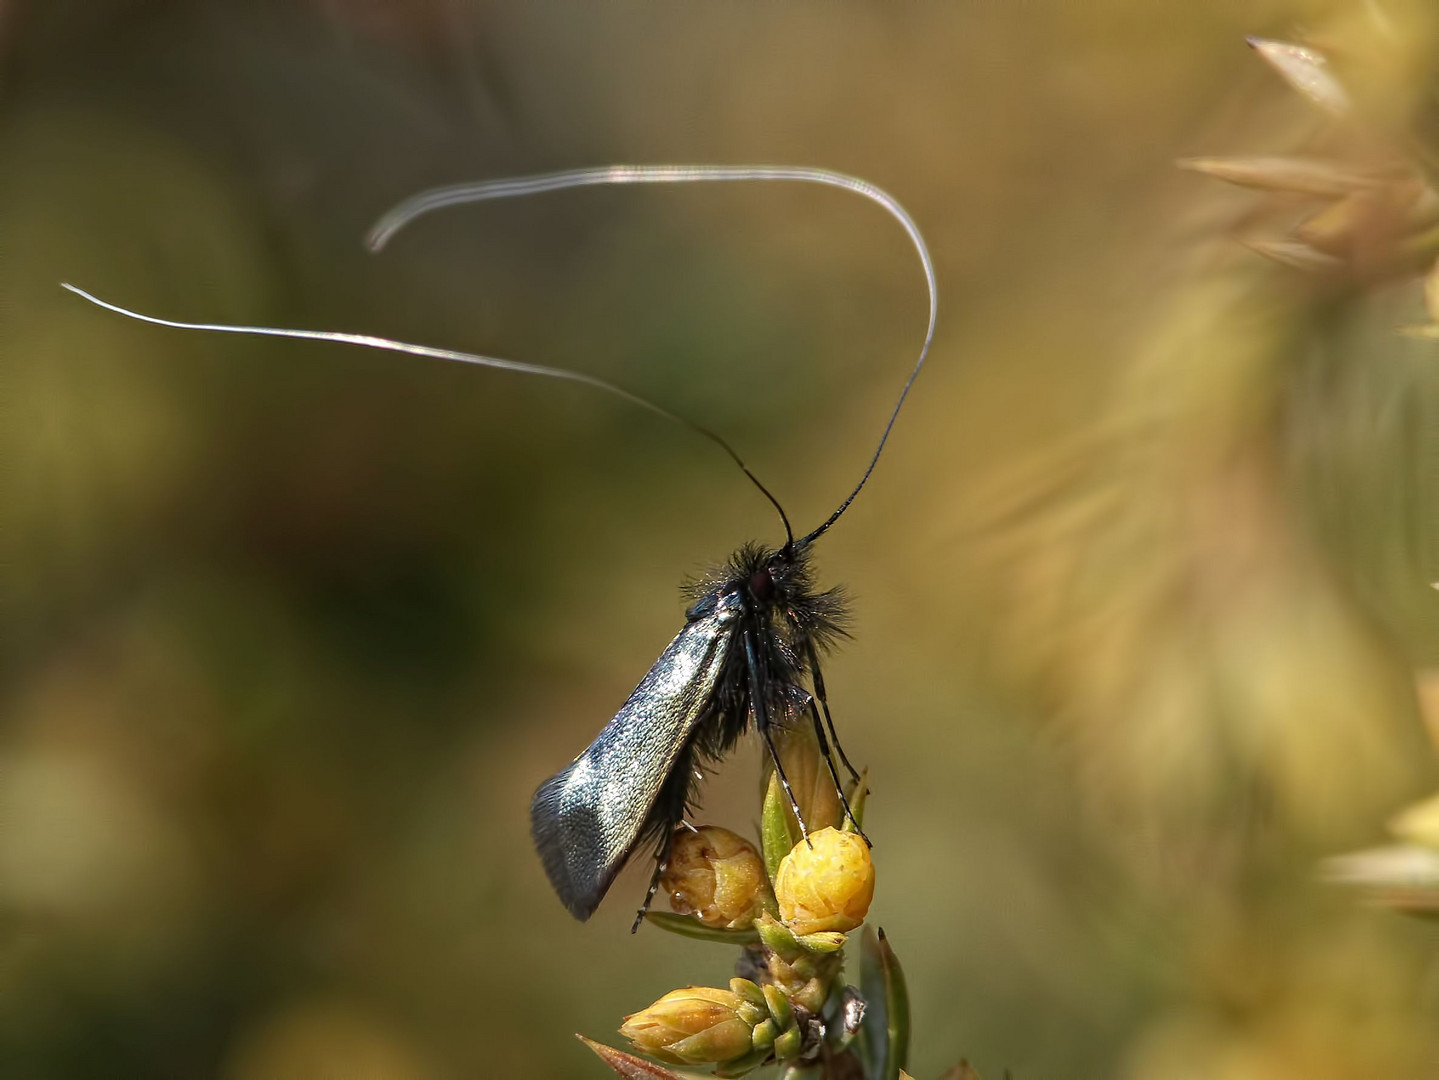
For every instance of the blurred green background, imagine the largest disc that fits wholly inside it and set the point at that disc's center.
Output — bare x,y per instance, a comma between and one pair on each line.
291,632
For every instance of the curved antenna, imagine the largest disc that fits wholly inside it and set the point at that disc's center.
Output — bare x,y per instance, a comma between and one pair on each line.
458,194
371,342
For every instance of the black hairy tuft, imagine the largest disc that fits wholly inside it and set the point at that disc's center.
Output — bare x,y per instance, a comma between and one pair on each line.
789,626
799,610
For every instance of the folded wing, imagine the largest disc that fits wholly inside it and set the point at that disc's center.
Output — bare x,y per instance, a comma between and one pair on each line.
587,819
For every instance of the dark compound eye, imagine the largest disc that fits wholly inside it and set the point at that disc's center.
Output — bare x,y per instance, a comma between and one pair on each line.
761,585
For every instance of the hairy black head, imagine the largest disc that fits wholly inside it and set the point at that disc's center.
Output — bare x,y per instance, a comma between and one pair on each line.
776,586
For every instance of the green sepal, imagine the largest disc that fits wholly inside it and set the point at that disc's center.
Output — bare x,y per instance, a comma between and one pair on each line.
822,941
765,1033
885,1027
778,1005
777,937
739,1066
750,991
775,835
788,1044
690,927
855,794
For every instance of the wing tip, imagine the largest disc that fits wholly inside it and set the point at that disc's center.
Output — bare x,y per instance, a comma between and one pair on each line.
546,829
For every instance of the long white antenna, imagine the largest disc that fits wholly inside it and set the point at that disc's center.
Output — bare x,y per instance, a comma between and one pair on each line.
516,187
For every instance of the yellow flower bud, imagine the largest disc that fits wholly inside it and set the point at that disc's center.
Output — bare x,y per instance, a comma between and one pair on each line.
695,1026
715,876
825,885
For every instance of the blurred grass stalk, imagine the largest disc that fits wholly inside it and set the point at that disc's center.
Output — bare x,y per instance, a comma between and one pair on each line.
1175,583
1167,589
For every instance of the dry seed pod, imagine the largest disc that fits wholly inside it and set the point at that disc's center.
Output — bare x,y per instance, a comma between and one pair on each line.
715,876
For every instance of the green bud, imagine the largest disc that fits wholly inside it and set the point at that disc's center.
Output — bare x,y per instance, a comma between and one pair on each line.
698,1025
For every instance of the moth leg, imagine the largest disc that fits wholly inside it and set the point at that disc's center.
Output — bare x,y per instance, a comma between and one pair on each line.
828,755
761,719
662,863
824,704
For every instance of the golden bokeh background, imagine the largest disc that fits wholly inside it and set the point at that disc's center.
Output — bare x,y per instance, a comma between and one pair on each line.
291,631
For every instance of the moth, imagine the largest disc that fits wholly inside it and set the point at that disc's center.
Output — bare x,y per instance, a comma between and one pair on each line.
748,656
